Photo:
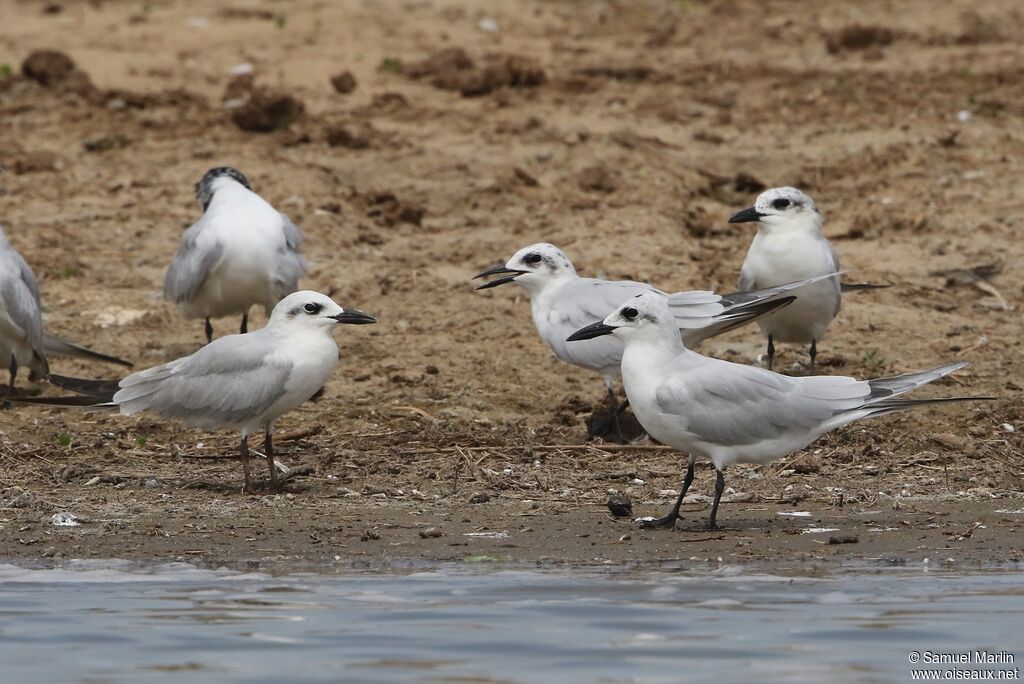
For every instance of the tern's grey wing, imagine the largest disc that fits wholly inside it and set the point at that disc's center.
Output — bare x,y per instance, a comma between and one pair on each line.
732,405
191,265
20,296
579,303
226,383
695,310
290,265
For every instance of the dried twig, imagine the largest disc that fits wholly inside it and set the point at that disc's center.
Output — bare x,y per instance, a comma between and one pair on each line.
296,435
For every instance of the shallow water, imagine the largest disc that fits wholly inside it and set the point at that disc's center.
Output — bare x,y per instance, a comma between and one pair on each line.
120,622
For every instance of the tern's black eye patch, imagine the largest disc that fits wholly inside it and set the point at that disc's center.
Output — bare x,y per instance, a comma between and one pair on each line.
781,203
312,308
630,313
533,258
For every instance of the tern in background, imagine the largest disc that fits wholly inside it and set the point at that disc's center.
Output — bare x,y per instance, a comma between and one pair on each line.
241,253
789,246
561,302
23,342
731,413
241,382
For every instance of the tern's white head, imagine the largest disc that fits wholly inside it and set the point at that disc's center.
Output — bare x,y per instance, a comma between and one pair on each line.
532,267
218,179
782,209
645,317
312,310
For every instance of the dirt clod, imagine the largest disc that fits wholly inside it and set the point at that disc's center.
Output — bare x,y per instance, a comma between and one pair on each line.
431,533
858,37
48,67
387,210
453,69
349,137
56,70
36,162
598,178
343,82
103,143
267,111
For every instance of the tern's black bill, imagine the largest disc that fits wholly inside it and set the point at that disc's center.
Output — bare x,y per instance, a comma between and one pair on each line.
354,317
746,216
591,331
509,273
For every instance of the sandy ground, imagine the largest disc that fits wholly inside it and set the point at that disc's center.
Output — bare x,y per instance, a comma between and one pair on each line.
624,132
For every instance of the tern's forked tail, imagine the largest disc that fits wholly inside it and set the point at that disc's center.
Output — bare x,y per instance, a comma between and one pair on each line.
884,398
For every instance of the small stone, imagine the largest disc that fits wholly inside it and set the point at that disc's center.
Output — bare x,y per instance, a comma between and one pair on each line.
620,505
844,539
479,498
64,519
431,533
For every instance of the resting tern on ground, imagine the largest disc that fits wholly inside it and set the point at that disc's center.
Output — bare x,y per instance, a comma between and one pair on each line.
732,413
23,342
561,302
241,253
789,246
243,382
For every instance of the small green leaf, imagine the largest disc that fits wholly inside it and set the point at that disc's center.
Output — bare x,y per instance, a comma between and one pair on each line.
391,65
64,439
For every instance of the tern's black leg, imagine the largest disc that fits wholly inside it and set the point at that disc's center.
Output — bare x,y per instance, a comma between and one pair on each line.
771,352
244,453
719,488
814,353
245,323
669,520
268,448
623,406
209,332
